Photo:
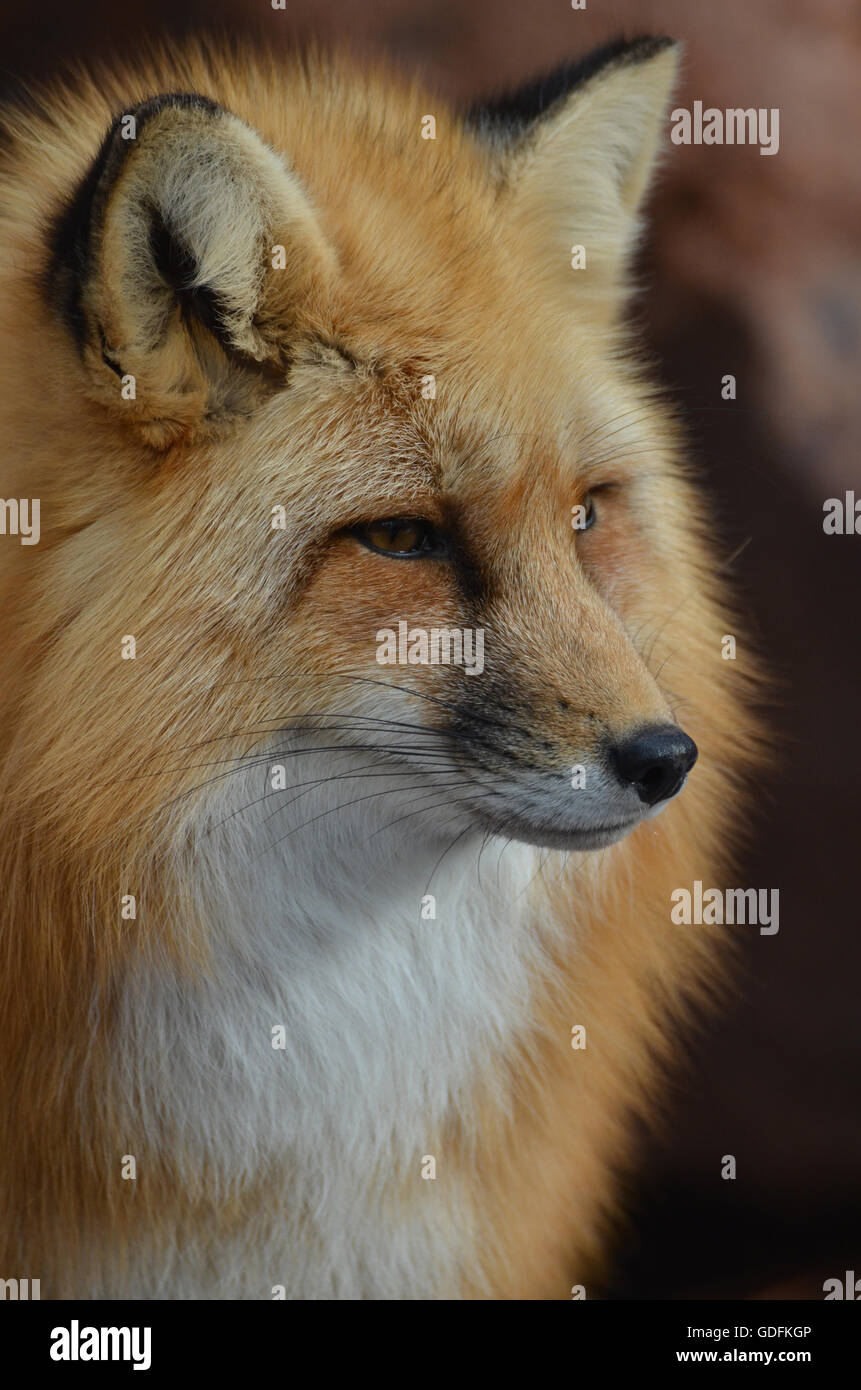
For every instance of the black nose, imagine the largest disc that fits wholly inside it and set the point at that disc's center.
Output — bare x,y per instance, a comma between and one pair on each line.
656,761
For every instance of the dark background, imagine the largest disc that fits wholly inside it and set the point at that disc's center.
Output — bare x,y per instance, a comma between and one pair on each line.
753,268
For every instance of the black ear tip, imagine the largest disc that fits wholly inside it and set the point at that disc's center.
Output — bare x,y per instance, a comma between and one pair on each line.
512,112
649,46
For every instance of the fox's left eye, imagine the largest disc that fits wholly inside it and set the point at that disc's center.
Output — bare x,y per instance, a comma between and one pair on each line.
584,515
406,538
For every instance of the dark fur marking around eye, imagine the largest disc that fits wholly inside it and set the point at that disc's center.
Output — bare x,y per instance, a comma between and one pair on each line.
469,576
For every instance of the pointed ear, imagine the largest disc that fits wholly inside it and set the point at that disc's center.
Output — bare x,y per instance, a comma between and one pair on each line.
166,267
573,154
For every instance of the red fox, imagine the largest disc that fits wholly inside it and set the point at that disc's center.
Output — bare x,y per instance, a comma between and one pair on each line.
334,963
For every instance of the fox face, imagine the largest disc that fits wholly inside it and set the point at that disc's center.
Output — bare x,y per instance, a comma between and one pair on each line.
563,738
348,384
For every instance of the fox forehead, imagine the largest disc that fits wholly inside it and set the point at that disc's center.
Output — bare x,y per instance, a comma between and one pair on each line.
449,342
446,330
362,443
475,414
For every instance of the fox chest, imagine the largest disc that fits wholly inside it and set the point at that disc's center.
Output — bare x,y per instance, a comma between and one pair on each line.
333,1048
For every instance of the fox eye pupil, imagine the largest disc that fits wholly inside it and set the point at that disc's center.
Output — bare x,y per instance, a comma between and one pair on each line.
401,536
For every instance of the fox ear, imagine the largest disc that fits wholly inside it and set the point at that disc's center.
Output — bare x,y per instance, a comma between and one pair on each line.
573,154
182,264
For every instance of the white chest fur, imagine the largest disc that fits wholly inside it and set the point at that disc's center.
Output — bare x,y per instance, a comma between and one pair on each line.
391,976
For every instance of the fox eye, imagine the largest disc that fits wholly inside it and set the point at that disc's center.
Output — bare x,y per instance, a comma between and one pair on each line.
584,515
407,538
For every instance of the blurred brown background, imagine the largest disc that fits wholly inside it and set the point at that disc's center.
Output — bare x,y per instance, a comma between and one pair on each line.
753,268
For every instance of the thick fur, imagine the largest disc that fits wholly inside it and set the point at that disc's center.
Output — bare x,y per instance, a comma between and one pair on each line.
407,1037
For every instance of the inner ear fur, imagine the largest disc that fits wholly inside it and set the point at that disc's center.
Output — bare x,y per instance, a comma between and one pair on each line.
573,154
163,266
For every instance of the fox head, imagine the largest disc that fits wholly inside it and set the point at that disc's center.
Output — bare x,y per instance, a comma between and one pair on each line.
303,363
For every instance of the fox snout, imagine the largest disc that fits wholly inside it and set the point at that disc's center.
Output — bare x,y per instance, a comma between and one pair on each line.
578,772
603,795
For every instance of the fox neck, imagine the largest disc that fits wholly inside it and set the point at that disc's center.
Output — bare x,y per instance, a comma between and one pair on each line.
396,966
346,965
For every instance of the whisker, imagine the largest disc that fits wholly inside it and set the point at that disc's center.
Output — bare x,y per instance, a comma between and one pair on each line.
351,776
446,801
446,851
343,806
247,765
361,773
431,699
602,429
282,726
